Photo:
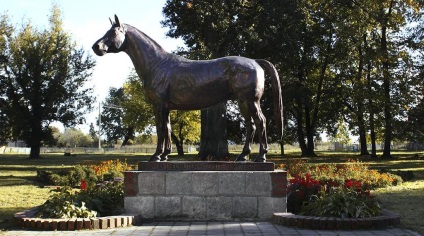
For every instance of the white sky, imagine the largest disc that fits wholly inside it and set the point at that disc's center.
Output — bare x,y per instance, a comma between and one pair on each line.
87,21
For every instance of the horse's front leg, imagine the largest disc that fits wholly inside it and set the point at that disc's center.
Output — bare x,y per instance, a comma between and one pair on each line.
163,129
167,137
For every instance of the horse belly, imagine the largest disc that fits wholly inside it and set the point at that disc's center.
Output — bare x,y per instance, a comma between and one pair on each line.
198,97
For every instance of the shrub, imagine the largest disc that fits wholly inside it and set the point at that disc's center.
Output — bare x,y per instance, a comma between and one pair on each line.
341,190
342,202
64,203
106,198
101,191
91,174
301,189
351,170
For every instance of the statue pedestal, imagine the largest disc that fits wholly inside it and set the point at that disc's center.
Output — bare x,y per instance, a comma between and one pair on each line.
206,191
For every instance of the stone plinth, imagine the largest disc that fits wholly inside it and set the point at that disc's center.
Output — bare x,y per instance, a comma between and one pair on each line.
205,166
205,195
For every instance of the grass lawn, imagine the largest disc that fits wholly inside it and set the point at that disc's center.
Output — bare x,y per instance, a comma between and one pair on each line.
19,189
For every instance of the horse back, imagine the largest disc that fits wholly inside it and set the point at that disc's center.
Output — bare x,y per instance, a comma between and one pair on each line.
201,84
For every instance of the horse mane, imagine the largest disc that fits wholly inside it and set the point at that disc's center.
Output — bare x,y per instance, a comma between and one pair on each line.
149,41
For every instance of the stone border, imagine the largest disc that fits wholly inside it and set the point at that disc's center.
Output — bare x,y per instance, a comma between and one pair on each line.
387,218
27,220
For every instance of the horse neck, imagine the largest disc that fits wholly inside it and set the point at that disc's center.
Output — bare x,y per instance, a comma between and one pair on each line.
144,52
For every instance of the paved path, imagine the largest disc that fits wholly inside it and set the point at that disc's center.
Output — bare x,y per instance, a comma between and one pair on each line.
216,228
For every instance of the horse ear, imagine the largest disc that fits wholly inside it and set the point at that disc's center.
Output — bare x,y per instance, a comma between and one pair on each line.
111,21
117,21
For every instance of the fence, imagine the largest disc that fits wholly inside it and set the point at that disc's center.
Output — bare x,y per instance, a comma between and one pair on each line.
82,150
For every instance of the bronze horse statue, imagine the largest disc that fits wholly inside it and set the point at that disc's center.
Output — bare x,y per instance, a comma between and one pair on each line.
172,82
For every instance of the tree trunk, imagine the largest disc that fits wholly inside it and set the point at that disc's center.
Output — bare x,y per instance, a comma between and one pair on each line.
360,111
371,103
299,130
178,144
35,143
213,136
129,135
386,86
372,123
362,130
309,152
373,138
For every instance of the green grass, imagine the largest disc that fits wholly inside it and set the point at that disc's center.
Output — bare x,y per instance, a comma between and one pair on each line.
19,189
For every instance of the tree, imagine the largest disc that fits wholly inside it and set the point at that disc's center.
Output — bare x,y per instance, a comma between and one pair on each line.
94,135
112,116
214,29
208,29
342,134
74,138
6,31
138,113
350,60
44,77
185,128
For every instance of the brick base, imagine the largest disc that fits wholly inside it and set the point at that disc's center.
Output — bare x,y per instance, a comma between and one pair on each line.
26,220
387,218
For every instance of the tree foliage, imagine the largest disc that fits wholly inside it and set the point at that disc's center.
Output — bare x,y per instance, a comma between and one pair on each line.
74,138
185,127
6,31
112,115
43,77
357,61
138,112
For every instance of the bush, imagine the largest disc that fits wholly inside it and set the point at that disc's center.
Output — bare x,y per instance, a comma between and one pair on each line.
342,202
301,189
91,174
101,191
64,203
106,198
351,170
340,190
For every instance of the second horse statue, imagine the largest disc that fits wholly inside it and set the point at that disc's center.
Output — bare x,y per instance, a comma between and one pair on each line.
172,82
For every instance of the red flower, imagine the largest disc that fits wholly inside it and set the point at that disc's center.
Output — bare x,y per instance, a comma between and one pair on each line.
353,184
348,183
83,185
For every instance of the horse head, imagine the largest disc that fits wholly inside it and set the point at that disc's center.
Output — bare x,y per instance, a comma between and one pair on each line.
113,40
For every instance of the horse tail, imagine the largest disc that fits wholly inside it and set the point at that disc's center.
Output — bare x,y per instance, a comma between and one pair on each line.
276,89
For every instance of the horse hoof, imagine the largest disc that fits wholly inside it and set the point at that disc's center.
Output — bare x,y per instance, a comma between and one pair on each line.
241,158
164,158
154,159
260,159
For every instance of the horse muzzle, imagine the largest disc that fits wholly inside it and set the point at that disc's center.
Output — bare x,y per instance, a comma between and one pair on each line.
99,48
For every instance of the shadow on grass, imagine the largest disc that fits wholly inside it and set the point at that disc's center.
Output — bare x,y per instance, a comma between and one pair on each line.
407,202
17,180
6,217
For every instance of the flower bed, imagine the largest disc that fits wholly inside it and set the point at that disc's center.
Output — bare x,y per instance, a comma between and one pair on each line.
85,192
386,219
340,192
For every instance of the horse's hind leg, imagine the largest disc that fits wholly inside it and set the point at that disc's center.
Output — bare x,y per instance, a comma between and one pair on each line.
250,127
260,122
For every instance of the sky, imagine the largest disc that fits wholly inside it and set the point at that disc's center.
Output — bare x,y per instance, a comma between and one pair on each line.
87,21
